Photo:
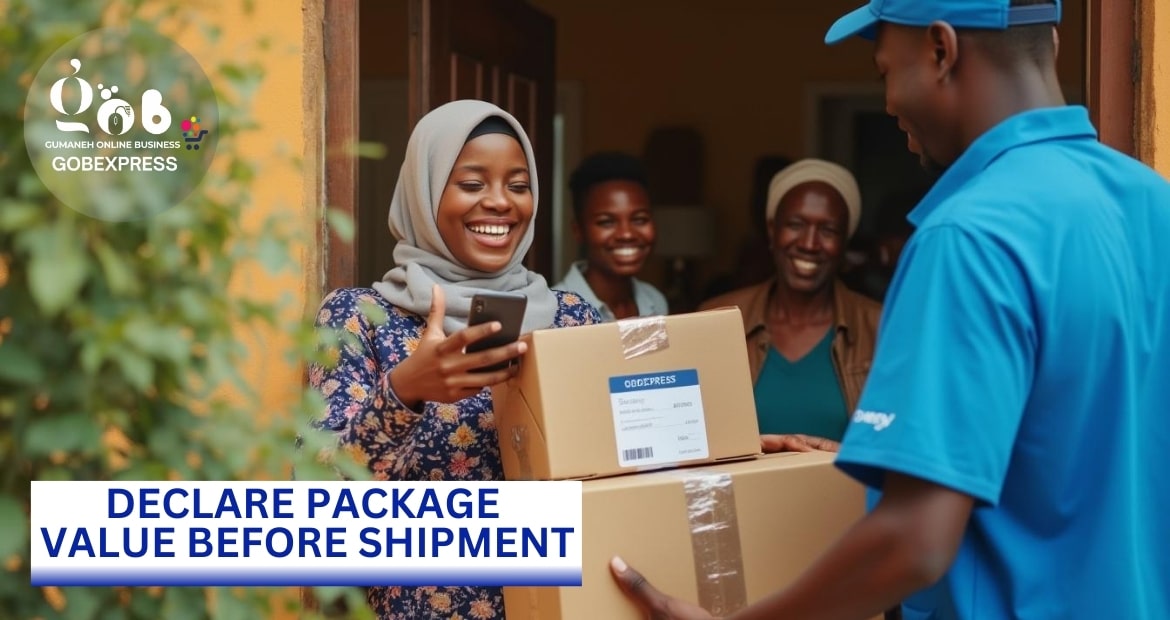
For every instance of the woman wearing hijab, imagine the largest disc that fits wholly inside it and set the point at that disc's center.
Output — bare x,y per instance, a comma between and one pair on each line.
403,396
810,339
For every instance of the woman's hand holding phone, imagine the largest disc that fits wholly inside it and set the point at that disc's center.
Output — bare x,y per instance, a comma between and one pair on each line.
440,370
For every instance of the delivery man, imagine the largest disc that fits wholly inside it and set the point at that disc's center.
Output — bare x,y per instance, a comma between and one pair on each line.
1014,419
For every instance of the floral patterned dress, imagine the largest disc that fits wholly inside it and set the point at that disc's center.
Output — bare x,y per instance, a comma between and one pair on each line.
454,441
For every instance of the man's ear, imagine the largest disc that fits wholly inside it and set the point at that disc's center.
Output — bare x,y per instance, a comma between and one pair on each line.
944,45
577,230
1055,43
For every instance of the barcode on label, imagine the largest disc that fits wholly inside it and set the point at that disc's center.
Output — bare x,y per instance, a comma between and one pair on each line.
637,454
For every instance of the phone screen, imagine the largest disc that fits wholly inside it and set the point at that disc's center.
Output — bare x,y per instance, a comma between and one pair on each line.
508,309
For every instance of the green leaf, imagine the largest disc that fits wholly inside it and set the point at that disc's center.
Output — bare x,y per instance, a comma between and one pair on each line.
193,306
18,366
168,443
368,150
143,471
184,604
161,341
121,613
77,432
31,186
91,357
18,215
232,72
13,528
243,606
273,254
136,368
374,313
119,276
82,603
55,474
56,270
144,605
340,223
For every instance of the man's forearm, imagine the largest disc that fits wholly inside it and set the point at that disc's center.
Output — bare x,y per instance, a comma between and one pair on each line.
871,569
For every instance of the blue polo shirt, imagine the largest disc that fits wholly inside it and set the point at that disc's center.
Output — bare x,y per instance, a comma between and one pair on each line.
1024,359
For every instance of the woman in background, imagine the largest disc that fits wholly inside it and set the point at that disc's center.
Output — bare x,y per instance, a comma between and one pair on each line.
403,397
810,339
613,222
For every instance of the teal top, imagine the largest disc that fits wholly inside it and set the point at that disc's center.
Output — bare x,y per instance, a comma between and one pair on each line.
802,396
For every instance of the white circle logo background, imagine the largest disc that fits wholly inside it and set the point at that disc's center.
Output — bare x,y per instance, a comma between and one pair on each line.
121,124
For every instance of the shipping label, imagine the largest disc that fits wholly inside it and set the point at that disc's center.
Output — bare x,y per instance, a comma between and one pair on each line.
658,418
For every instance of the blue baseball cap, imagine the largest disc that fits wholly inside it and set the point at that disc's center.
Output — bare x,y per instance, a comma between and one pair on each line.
988,14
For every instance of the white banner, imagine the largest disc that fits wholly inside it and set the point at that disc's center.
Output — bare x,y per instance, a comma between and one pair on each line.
306,533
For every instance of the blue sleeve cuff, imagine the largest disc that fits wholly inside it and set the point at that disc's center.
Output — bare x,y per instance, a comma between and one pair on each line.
869,466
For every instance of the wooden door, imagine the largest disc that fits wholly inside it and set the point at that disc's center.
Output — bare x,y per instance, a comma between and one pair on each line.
501,51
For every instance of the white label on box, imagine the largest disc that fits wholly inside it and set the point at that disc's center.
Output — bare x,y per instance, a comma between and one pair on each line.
658,418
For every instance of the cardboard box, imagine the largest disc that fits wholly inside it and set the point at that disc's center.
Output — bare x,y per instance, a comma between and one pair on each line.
635,395
760,523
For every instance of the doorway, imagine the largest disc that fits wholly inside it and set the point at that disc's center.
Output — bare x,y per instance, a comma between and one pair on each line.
750,77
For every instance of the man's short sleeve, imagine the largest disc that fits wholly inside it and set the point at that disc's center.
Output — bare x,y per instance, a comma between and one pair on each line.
952,370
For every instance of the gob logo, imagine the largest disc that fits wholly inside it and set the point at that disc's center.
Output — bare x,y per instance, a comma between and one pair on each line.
115,116
112,119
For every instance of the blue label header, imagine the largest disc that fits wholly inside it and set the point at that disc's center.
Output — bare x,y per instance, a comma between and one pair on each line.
653,381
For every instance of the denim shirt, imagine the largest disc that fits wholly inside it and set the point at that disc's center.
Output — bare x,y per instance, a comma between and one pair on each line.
650,301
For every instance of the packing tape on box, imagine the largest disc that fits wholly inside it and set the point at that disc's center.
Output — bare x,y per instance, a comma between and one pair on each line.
643,335
715,541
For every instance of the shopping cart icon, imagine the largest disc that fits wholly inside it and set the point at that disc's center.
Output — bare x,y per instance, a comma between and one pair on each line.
192,134
193,143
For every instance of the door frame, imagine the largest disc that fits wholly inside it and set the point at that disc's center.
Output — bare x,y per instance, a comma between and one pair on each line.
342,98
1113,71
1112,76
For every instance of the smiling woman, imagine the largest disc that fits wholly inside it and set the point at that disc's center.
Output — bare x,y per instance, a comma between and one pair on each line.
614,225
404,394
810,339
487,205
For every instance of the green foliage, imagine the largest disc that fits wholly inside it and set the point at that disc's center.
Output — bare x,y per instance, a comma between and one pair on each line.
117,340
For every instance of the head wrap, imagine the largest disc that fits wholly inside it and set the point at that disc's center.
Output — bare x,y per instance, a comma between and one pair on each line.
422,257
811,171
492,124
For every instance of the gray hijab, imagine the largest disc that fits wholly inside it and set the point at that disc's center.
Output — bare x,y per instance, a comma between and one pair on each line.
422,257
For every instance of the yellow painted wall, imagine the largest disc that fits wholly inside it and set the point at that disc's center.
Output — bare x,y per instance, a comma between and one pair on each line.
1154,94
273,147
282,186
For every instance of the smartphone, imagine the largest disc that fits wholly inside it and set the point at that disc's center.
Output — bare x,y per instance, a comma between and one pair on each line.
508,309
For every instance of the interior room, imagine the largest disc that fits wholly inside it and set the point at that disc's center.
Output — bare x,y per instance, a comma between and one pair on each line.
702,91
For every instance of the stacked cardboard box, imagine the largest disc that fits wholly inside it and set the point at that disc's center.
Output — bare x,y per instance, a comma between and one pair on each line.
616,398
706,517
